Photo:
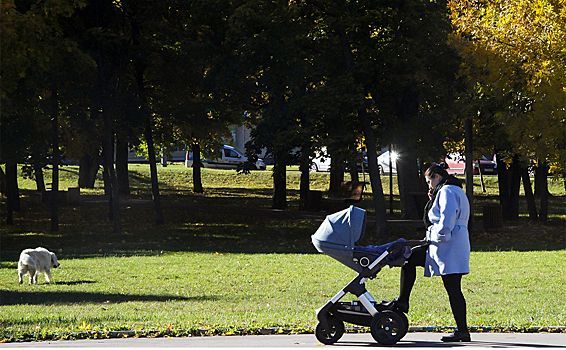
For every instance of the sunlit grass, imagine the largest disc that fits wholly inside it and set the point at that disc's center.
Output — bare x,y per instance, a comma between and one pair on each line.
221,290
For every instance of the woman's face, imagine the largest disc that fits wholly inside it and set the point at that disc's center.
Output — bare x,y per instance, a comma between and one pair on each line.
433,181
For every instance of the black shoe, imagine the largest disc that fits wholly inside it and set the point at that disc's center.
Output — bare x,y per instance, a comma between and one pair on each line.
396,305
457,337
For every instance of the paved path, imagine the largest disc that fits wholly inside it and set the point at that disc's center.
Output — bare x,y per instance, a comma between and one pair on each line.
348,341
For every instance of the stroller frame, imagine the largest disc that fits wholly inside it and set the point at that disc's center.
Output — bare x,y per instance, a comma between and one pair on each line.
387,326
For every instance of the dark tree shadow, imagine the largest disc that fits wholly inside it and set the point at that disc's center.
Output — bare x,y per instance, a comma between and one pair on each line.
9,297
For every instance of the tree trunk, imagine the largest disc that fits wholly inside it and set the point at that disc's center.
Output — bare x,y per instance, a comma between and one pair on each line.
140,81
122,176
38,174
279,183
503,181
375,178
539,173
107,184
84,171
353,167
88,169
336,177
542,179
514,188
197,178
371,144
163,158
109,174
529,194
355,174
106,181
159,220
2,181
54,199
480,169
468,142
304,186
12,191
412,189
114,199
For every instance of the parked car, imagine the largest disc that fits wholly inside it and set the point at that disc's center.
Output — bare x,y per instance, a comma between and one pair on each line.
176,155
179,154
134,157
383,162
320,162
457,165
230,159
268,159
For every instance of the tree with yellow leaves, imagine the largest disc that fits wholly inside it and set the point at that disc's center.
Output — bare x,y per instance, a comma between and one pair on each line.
515,52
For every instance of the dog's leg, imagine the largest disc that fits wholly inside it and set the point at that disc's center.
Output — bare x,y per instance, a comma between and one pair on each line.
22,270
48,276
32,276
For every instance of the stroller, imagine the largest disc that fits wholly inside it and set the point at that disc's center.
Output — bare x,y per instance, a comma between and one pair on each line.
337,237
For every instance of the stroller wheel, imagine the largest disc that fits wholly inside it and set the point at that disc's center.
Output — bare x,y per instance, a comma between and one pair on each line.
405,321
332,335
387,328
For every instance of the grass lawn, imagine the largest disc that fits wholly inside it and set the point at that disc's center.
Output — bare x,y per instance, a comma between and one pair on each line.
225,263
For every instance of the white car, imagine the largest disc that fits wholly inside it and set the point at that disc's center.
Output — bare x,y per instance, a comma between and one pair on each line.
230,159
320,162
383,162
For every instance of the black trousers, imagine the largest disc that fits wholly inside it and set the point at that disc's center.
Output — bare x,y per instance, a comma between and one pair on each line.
452,284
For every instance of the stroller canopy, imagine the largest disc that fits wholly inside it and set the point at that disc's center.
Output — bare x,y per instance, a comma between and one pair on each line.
341,230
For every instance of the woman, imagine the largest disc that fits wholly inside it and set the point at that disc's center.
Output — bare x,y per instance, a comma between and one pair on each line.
447,253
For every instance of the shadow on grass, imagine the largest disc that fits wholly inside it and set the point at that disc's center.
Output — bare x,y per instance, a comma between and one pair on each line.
68,170
10,297
73,283
228,220
139,177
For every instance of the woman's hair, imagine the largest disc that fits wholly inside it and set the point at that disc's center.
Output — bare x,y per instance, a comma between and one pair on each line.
436,170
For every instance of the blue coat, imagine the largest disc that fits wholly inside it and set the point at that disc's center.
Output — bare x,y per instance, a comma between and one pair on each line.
449,249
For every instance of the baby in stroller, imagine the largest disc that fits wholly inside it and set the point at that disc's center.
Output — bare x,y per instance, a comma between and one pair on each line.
338,237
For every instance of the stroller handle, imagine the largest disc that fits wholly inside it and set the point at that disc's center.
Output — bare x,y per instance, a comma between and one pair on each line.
412,243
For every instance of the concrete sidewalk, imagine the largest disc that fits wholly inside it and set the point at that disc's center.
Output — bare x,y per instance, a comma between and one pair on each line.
348,341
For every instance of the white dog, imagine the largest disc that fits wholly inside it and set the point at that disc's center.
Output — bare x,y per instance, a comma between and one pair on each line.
36,261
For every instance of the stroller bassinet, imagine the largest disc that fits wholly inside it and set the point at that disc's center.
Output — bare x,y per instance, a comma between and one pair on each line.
338,237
